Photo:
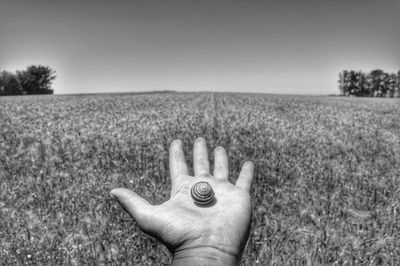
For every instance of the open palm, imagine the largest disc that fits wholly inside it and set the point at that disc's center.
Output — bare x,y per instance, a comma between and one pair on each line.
181,224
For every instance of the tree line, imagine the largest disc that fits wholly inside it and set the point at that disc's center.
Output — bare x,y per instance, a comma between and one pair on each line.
35,79
377,83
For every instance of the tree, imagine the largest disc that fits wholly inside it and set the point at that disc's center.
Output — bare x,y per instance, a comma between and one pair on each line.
359,84
2,84
345,82
397,89
353,83
369,85
9,84
37,79
342,85
376,82
390,84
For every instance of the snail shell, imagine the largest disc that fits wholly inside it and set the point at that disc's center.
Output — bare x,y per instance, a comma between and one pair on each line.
202,193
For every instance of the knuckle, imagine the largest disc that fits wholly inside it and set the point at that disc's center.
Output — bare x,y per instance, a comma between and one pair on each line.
205,175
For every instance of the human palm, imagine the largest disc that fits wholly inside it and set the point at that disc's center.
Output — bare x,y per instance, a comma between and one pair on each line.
181,224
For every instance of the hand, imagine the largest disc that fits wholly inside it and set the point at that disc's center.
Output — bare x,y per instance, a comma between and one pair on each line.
214,234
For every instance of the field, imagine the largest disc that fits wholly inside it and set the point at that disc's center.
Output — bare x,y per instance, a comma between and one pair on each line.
326,191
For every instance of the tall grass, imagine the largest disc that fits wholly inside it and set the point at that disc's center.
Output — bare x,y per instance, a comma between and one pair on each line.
326,188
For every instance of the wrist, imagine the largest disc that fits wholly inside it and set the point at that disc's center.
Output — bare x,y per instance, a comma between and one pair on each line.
206,255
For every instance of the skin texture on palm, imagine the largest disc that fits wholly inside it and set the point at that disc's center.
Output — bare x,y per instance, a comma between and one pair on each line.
215,234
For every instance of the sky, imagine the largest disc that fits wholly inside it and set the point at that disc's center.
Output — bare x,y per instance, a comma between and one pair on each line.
267,46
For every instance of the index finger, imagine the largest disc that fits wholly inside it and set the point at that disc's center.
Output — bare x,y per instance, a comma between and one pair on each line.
177,163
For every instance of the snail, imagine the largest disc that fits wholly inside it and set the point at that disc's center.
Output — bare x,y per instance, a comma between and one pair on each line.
202,193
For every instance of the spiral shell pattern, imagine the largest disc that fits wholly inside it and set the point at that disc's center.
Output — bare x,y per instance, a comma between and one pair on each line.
202,193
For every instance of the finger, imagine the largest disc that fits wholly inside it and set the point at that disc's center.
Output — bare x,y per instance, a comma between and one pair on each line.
246,176
200,158
177,164
136,206
221,170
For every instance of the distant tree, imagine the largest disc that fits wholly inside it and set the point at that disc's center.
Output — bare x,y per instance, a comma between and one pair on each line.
342,85
397,88
1,84
9,84
390,85
346,82
376,85
366,90
37,79
353,83
371,84
359,88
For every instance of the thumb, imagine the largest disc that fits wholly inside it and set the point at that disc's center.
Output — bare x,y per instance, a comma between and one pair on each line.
140,210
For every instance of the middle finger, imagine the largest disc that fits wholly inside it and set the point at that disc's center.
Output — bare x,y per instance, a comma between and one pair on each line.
201,164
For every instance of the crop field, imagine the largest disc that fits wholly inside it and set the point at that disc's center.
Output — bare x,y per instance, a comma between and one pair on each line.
326,190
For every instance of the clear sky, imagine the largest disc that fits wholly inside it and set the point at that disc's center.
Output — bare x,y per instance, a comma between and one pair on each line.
272,46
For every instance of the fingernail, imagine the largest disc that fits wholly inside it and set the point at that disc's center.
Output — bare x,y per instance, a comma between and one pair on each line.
112,194
177,142
249,164
200,140
219,149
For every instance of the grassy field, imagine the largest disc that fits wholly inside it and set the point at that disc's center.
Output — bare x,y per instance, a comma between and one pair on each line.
327,184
